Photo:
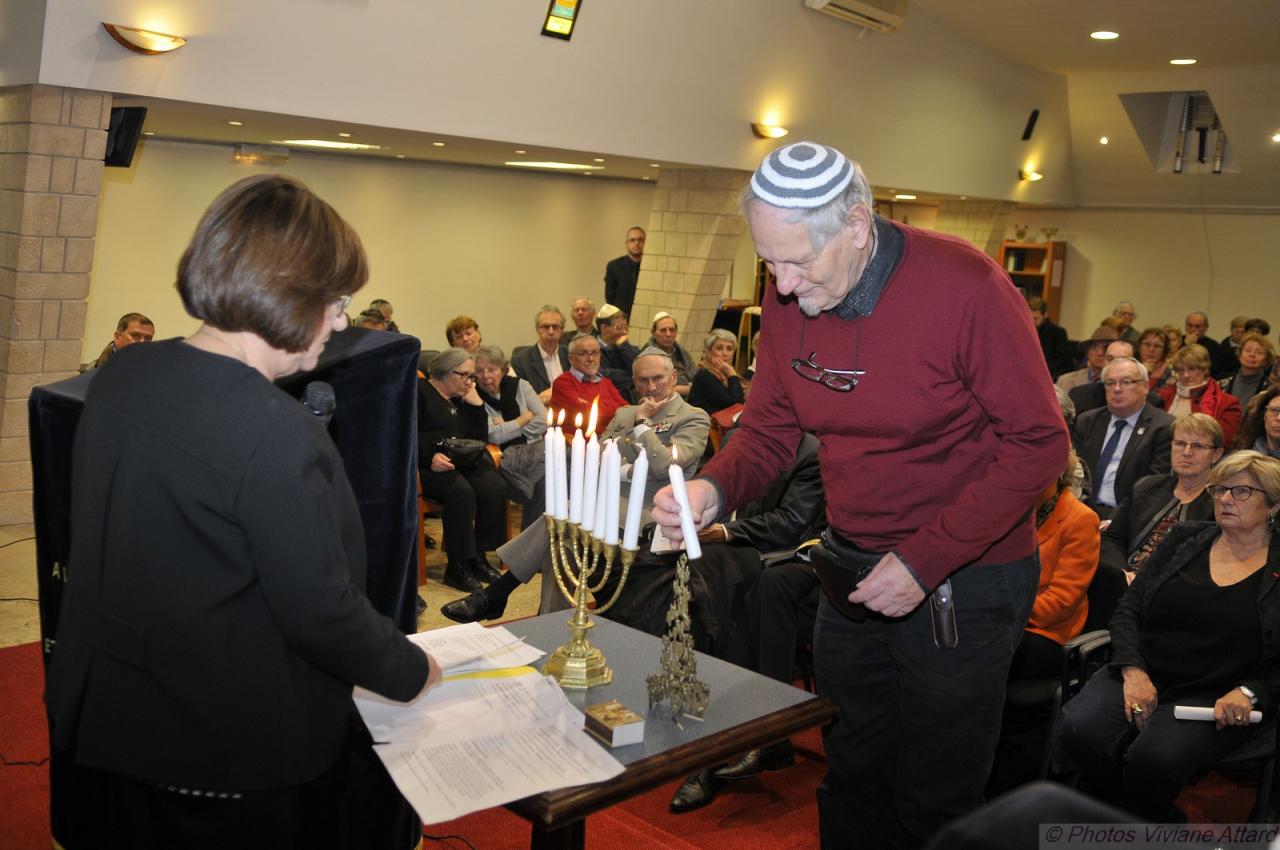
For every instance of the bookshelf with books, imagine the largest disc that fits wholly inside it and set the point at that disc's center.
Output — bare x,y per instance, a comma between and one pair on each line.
1036,268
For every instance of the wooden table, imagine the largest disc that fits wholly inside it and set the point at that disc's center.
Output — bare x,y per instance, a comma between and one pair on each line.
747,711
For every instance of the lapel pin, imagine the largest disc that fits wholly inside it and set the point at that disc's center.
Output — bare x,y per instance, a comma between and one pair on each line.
1141,431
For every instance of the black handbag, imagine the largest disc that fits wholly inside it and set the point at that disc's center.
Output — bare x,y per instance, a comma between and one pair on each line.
464,453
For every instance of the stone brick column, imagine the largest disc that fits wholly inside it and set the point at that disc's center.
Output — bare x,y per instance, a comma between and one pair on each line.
52,141
693,234
984,223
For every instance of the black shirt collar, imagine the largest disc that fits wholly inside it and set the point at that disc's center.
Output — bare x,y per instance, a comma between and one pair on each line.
862,299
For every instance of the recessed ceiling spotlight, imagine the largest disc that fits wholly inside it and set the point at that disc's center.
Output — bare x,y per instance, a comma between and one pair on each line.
898,196
399,156
1104,35
521,150
1182,61
598,159
235,123
437,144
646,178
345,135
1276,138
1104,141
148,132
654,165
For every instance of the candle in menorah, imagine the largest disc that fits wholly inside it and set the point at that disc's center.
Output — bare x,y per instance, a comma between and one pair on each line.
583,536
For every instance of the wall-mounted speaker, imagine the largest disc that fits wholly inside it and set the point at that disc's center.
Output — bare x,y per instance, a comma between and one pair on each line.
1031,124
123,133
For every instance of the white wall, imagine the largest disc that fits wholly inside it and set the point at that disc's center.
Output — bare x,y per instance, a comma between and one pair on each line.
441,239
669,80
1167,263
21,41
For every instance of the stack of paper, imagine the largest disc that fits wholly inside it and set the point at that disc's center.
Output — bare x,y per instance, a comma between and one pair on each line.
491,733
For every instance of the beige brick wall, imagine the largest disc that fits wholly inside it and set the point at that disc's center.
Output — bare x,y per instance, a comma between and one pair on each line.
51,145
693,234
984,223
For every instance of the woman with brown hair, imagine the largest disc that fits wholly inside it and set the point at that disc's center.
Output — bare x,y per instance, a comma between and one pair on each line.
200,690
1153,351
1256,355
1261,428
1197,392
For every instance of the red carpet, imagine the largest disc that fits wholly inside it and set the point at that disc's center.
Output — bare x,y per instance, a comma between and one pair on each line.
24,737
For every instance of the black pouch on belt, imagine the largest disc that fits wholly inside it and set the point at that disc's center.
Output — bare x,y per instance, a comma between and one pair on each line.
839,567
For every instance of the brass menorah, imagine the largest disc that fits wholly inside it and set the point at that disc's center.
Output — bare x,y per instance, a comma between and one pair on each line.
576,557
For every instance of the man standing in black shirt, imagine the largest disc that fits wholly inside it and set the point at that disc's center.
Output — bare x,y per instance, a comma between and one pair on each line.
1059,354
621,273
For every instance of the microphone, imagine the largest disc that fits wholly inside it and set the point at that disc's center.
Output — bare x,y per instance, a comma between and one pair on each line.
319,399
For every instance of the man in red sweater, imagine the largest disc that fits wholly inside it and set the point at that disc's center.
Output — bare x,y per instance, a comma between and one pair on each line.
582,384
932,456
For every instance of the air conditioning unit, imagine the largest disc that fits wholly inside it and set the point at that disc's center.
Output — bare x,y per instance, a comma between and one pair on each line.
878,15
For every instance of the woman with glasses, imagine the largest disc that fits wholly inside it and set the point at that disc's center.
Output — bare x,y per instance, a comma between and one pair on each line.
1198,627
1261,428
1197,392
465,482
1160,502
1153,350
200,689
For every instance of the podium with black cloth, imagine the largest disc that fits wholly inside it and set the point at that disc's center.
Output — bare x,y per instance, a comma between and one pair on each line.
374,426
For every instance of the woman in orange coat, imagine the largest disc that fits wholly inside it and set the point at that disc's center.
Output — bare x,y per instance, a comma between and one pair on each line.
1197,392
1069,545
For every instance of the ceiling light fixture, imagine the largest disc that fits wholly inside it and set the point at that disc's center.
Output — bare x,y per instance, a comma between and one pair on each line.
901,197
399,156
1276,138
1104,35
1027,174
559,166
345,135
521,151
1182,61
1104,141
598,159
769,131
327,145
654,165
148,42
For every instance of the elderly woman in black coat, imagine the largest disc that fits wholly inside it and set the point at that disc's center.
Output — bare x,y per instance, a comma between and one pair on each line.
1199,626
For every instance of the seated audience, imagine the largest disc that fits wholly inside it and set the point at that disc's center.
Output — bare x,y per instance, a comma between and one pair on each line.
1190,631
463,332
716,384
1125,313
778,612
383,306
132,327
1088,397
583,313
542,363
1159,502
665,331
1196,392
1094,350
1221,358
1153,351
1123,441
1237,334
1255,356
660,422
1260,430
1172,334
1059,355
616,352
1080,478
1258,326
372,319
517,421
472,492
575,390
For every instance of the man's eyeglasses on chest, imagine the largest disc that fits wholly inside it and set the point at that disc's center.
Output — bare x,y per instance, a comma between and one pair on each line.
840,380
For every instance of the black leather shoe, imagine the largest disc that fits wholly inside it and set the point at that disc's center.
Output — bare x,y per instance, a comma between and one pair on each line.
472,608
462,577
773,757
698,790
486,571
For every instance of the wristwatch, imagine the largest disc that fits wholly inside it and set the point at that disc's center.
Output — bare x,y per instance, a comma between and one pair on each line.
1248,691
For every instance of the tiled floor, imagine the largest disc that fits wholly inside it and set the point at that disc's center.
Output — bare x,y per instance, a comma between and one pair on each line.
20,616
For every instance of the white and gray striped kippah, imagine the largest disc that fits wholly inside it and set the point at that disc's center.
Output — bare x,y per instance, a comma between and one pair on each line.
802,175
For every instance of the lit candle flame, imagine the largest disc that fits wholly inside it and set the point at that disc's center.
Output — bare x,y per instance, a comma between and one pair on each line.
591,422
577,422
560,418
675,455
551,417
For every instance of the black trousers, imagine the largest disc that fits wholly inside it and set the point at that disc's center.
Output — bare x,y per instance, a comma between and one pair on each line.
918,725
1142,772
780,611
475,508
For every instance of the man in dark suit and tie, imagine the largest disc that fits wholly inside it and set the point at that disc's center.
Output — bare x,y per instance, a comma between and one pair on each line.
1125,440
541,364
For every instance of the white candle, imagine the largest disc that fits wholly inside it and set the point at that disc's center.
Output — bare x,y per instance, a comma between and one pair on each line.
598,525
591,474
635,500
562,481
613,489
687,528
577,459
549,465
